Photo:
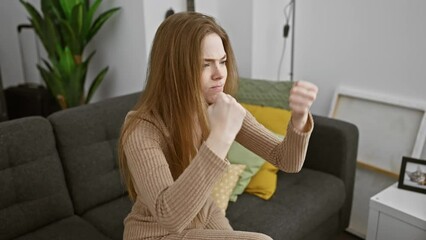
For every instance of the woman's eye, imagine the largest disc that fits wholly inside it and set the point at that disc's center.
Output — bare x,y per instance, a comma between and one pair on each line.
206,65
223,62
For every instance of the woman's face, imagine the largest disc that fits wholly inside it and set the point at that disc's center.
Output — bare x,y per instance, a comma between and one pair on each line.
214,71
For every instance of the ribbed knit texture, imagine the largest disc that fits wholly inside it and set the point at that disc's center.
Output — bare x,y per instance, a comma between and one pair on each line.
183,209
288,155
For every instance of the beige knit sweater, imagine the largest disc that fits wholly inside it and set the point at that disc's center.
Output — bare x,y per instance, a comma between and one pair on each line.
166,207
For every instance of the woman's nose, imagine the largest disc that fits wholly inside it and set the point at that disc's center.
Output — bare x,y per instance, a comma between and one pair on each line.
218,72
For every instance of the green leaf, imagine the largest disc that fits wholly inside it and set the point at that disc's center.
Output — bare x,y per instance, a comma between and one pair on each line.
92,11
77,19
88,20
52,36
86,64
47,77
49,67
68,5
76,90
36,19
70,38
66,62
46,5
51,6
100,21
52,82
90,57
40,33
95,84
57,11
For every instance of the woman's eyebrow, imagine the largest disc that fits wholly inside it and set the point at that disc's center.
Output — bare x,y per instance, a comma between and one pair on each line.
212,59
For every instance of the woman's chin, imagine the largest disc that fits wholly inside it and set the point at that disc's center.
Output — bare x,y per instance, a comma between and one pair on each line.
211,99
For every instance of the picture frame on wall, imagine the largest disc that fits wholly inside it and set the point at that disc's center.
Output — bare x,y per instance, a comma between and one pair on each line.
413,175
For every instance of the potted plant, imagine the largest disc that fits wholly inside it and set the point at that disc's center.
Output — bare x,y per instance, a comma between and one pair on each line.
65,27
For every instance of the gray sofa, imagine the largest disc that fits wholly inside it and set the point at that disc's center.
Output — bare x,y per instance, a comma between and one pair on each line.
59,179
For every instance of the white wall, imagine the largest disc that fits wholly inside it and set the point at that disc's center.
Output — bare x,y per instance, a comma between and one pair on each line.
268,40
125,42
257,40
376,45
379,46
154,13
236,17
120,44
207,7
12,13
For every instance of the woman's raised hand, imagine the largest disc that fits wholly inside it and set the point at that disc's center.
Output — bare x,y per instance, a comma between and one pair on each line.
302,96
226,117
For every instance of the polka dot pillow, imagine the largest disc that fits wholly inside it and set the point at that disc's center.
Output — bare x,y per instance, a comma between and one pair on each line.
223,189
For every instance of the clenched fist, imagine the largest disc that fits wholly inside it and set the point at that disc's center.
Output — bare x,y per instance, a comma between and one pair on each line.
302,96
225,117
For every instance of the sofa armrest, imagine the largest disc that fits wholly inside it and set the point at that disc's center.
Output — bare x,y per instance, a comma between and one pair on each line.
333,149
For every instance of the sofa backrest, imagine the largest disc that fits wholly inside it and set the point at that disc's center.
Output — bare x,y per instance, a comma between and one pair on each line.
32,182
87,138
264,92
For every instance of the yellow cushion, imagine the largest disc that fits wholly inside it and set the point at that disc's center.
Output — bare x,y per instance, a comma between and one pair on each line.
264,183
274,119
223,188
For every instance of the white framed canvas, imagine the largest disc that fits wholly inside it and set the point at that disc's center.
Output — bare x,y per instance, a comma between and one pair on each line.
389,127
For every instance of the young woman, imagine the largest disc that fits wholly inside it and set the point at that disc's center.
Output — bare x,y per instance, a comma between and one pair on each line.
174,143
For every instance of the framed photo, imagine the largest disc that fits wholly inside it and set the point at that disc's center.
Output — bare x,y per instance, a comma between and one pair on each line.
413,175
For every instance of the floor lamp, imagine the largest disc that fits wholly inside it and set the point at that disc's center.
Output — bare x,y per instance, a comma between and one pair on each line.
289,12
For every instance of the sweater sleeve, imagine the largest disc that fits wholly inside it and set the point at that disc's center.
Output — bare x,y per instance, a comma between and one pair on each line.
288,155
173,203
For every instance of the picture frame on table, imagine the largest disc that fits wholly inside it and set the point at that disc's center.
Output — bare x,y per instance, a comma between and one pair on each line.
413,175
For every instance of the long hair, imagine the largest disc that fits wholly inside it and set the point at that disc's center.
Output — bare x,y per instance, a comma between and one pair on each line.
173,88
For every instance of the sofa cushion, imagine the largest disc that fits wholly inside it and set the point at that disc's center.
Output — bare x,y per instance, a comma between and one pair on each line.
238,154
116,211
264,183
87,139
71,228
222,190
32,185
301,202
274,119
264,93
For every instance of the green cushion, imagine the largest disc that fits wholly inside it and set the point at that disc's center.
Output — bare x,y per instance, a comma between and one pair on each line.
240,155
264,93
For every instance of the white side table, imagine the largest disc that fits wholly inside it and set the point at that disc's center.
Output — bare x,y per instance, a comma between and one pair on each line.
397,214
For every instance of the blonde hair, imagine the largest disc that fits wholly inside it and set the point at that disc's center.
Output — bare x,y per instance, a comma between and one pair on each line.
173,88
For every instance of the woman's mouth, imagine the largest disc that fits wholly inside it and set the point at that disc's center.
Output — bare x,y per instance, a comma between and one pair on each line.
217,88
